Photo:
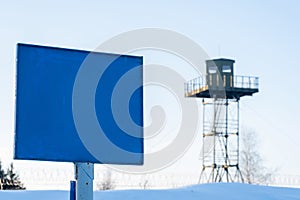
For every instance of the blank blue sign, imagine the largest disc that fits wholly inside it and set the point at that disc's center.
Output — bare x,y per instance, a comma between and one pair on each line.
78,106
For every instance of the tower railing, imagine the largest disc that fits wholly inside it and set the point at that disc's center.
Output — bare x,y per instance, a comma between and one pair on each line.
248,82
199,84
194,86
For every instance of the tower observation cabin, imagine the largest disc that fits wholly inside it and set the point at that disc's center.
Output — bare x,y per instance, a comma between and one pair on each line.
220,90
221,82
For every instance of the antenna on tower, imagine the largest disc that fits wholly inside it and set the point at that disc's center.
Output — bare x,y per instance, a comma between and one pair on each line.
219,50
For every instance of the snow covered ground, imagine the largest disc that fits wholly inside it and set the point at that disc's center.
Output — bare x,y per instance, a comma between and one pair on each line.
224,191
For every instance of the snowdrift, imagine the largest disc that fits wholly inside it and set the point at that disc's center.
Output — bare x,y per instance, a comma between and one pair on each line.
224,191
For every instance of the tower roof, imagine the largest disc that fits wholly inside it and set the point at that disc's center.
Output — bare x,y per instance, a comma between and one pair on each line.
220,59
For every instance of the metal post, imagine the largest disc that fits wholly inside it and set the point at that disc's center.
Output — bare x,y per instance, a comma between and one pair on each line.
238,141
84,175
226,141
203,133
214,135
203,139
72,190
238,130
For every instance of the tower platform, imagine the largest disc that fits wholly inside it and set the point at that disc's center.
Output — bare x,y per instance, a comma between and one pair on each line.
242,86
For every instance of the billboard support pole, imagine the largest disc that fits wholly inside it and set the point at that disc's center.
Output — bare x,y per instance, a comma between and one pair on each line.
84,175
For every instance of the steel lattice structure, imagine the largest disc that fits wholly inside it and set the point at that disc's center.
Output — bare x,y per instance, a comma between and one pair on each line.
221,91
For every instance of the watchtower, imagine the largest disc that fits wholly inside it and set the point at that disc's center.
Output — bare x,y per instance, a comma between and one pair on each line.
221,91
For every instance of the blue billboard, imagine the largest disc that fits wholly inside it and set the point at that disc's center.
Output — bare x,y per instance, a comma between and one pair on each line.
78,106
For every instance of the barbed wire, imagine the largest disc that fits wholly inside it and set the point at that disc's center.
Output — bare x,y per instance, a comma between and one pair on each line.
59,179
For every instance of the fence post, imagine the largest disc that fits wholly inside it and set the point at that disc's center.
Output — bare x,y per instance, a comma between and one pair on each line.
72,190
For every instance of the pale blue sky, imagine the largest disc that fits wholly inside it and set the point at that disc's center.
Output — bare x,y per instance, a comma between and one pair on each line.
262,36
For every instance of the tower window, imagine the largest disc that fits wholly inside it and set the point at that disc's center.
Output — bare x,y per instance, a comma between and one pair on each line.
212,69
226,69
